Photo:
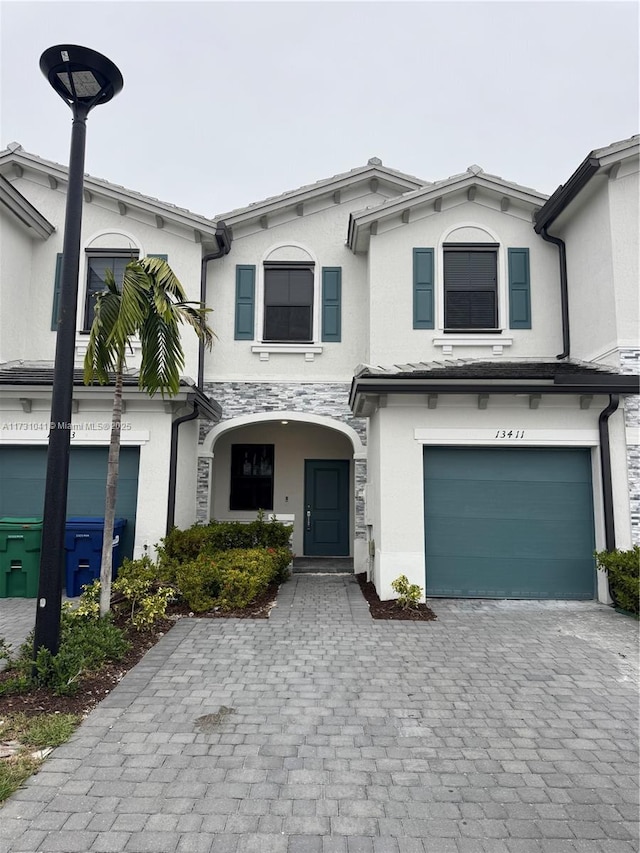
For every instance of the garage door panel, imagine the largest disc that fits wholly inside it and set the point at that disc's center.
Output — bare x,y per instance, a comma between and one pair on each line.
531,577
513,534
507,464
22,482
513,538
507,500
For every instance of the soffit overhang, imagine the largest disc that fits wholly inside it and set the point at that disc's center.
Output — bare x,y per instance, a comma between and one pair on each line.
397,212
15,163
602,163
24,214
371,178
530,378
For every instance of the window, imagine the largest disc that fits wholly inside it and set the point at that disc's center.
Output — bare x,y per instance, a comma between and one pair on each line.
471,286
251,476
288,302
97,265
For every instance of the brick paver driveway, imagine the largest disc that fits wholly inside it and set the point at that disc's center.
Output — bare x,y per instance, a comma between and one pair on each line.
503,727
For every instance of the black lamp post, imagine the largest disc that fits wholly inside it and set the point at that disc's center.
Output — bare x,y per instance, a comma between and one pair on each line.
83,79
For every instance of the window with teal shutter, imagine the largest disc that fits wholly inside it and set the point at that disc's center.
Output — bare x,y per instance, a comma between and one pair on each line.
519,289
331,304
423,289
245,302
56,294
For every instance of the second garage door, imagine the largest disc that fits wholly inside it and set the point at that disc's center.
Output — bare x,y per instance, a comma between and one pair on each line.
509,522
22,478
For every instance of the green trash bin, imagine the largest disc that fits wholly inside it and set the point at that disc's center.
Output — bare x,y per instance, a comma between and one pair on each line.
20,541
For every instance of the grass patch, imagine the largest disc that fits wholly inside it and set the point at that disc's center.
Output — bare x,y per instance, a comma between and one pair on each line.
29,734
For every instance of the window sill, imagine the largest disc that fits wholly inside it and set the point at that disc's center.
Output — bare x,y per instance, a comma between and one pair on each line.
82,342
308,350
473,340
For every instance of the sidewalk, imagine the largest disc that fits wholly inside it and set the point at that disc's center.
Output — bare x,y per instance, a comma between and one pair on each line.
502,727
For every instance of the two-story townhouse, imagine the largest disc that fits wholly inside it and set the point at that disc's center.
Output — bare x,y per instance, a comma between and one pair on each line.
157,471
408,371
477,455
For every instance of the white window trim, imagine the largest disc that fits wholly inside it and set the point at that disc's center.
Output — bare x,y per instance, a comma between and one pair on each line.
90,248
265,348
490,340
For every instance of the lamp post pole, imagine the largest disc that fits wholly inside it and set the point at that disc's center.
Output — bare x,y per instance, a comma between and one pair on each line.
83,78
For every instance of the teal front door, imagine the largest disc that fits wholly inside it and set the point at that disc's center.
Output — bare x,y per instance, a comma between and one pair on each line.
326,508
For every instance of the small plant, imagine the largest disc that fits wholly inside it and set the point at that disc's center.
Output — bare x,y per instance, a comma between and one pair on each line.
144,599
409,594
623,570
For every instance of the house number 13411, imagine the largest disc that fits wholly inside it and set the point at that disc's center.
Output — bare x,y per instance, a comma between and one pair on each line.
512,433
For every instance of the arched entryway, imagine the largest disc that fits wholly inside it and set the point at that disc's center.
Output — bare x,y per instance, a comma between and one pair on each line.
305,469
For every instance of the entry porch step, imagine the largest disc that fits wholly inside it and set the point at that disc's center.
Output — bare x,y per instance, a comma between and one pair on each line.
321,565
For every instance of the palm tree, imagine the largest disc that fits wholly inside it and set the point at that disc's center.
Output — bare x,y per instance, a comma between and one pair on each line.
150,305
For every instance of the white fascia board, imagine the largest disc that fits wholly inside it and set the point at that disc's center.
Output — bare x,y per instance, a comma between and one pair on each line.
113,192
322,188
28,217
394,207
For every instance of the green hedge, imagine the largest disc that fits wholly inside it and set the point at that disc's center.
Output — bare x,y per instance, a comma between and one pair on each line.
184,546
623,569
230,579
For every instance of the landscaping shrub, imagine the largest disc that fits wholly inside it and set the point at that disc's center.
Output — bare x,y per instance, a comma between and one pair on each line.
230,579
623,570
409,594
184,546
86,644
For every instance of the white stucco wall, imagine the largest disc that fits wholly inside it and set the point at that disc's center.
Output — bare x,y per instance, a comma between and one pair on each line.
29,335
624,207
398,517
16,250
393,338
320,235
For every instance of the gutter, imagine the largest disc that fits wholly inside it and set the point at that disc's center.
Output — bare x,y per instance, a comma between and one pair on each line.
618,384
564,290
566,193
224,238
201,406
547,214
605,466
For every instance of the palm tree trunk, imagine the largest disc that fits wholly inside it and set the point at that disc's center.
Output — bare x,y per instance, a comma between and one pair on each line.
106,564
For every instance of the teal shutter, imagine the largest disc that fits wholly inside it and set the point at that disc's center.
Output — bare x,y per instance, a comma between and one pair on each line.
519,289
162,257
245,302
331,304
56,294
423,289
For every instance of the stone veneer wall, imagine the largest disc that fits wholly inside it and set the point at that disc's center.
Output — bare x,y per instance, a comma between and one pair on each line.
330,399
630,363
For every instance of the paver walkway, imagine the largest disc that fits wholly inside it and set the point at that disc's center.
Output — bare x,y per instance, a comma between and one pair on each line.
502,727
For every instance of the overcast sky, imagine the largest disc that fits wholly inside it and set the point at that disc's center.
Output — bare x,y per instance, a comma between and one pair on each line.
226,103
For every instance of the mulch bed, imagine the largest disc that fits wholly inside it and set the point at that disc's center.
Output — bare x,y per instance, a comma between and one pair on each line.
93,688
391,609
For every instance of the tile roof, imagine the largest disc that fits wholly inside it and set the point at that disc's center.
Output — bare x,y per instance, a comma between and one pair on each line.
470,369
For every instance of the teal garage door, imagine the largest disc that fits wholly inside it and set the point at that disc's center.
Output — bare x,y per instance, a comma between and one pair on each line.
509,522
22,477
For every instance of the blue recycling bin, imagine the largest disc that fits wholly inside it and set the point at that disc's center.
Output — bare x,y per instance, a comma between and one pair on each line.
83,545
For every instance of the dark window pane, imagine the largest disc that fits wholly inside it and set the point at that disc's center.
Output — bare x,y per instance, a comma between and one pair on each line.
96,281
288,299
251,476
470,282
287,323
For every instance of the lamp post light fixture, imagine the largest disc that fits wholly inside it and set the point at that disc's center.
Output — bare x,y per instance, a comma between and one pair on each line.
84,79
